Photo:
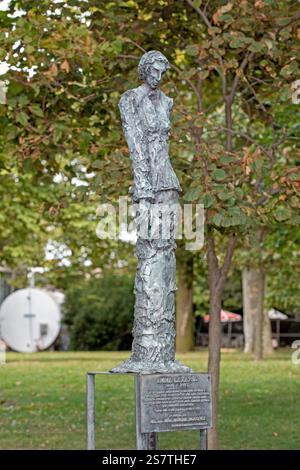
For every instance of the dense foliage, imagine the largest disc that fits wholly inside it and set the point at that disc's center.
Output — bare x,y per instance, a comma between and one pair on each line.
99,313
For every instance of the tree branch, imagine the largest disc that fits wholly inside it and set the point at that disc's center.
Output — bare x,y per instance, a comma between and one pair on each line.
245,136
228,257
188,80
260,104
201,13
294,18
127,56
212,261
199,96
239,72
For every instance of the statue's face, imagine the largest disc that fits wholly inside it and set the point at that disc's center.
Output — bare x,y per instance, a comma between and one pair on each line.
155,74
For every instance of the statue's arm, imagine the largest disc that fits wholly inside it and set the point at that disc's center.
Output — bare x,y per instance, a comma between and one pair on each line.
170,104
134,138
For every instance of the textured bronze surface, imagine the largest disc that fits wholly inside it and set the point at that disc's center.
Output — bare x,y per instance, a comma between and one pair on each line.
145,113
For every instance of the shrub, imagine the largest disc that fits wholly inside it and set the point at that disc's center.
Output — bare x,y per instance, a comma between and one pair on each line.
99,313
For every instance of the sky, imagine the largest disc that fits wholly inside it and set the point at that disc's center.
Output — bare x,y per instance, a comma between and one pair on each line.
4,4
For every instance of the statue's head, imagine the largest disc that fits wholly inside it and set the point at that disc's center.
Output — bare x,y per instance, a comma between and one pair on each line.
152,67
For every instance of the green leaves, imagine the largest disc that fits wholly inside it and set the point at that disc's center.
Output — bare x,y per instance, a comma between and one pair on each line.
22,118
65,119
223,194
290,70
226,159
192,50
282,213
90,309
208,201
232,217
219,219
219,174
36,110
256,46
192,194
117,45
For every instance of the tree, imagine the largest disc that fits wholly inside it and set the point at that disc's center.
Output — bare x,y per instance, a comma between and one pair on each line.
282,253
184,301
253,303
238,56
99,313
57,130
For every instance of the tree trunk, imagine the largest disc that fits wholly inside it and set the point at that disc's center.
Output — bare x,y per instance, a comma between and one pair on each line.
257,328
216,280
184,306
249,278
214,358
267,334
259,294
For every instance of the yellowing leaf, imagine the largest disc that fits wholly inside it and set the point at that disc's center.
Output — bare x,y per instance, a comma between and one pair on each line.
221,11
180,57
65,66
52,72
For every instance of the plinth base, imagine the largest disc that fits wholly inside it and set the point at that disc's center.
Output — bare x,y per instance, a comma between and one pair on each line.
163,403
147,367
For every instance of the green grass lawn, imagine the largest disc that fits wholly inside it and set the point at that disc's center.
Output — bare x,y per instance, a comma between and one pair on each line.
42,402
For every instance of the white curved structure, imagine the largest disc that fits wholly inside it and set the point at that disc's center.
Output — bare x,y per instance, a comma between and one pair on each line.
29,320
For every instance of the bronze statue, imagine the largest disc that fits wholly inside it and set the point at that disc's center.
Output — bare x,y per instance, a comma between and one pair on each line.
145,113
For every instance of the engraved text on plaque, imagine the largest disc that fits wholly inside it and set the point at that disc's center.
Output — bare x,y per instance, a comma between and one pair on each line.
172,402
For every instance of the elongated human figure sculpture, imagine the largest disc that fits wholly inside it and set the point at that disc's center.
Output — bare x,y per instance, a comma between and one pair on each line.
145,113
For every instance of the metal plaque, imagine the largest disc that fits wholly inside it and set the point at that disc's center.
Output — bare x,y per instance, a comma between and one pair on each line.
171,402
